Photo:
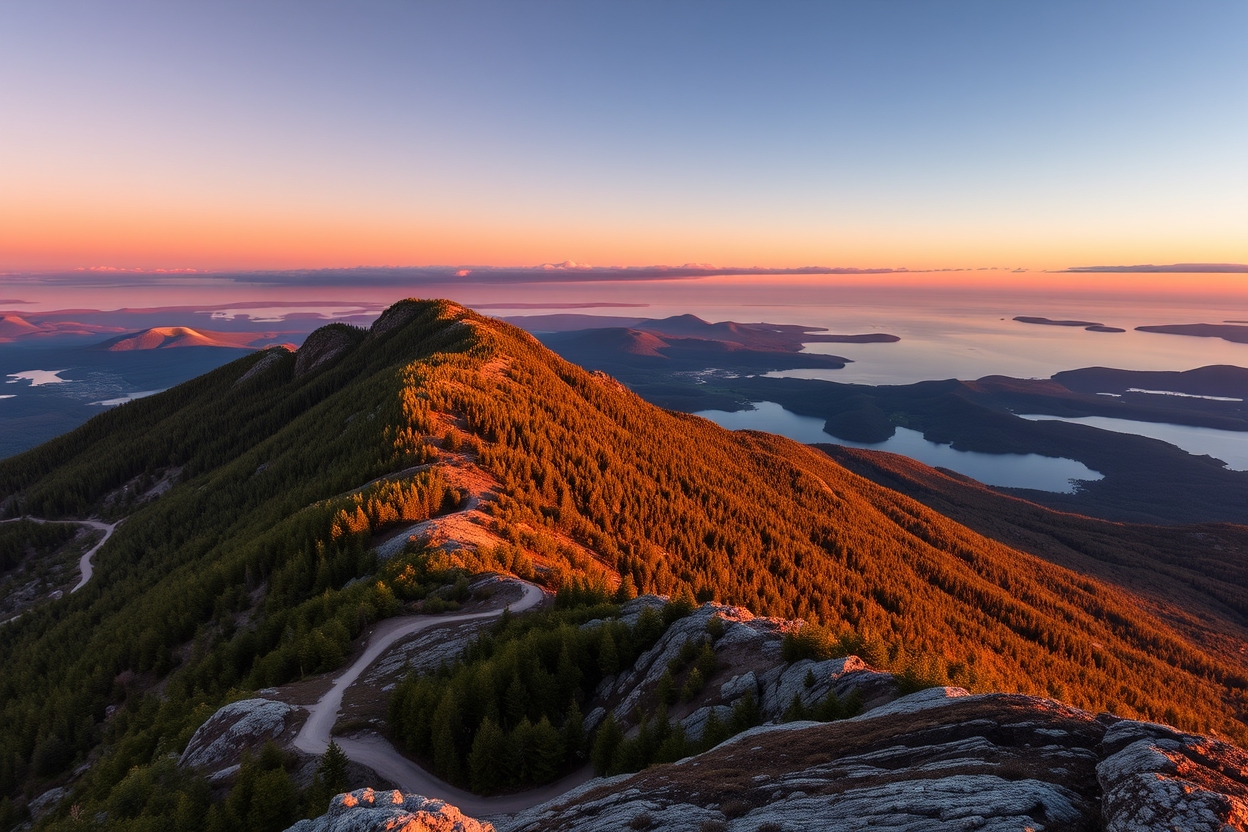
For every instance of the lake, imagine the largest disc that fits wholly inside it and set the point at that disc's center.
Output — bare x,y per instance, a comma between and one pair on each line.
1230,446
1043,473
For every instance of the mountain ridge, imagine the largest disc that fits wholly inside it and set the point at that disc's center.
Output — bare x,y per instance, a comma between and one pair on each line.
247,571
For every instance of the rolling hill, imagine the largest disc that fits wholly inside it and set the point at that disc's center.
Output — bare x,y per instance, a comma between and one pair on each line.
169,337
246,572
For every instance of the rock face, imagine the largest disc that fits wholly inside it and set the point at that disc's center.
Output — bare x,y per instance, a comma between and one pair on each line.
324,346
272,357
938,759
748,651
240,726
1154,777
935,760
368,811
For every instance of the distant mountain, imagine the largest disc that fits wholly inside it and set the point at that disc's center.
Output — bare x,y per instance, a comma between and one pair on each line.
255,563
14,327
169,337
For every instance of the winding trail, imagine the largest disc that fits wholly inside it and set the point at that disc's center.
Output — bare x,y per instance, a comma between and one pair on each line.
85,568
378,754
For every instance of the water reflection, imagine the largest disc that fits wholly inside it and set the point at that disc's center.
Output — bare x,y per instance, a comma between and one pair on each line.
1043,473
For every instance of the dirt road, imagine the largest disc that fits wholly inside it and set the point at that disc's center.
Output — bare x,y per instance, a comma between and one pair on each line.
85,569
378,754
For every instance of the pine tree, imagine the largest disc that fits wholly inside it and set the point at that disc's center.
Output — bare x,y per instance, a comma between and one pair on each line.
547,752
574,734
487,761
608,657
447,726
627,590
522,746
606,740
516,701
666,689
333,769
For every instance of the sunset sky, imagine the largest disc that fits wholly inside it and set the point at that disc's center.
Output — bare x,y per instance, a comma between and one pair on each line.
924,135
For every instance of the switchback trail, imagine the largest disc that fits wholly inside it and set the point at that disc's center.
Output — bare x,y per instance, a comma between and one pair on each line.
379,755
85,568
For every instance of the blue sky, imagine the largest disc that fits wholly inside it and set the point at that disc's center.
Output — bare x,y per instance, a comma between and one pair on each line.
915,134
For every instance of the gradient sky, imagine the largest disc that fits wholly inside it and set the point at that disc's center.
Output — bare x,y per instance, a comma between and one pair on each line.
916,134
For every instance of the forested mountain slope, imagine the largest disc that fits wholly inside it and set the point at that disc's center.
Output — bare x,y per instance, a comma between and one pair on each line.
242,575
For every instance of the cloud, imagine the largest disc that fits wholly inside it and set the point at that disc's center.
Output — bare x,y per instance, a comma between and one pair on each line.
407,276
1176,268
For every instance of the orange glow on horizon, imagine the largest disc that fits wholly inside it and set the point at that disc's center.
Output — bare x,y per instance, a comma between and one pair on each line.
44,238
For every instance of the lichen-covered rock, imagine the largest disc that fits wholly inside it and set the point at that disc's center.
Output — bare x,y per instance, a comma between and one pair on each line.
739,686
842,677
240,726
933,761
695,723
366,810
1156,778
742,632
45,802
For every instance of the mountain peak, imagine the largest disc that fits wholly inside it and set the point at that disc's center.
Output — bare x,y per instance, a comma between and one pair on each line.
172,337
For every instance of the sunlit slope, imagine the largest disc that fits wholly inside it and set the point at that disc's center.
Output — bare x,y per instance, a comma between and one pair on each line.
669,500
761,521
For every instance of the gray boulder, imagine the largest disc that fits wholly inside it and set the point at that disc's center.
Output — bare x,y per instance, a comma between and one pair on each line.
365,810
1156,778
240,726
695,723
842,677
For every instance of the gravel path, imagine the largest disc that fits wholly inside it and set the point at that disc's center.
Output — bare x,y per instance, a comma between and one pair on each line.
378,754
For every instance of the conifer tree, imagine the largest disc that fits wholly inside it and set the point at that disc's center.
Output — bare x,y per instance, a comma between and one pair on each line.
606,740
333,768
487,770
608,657
573,733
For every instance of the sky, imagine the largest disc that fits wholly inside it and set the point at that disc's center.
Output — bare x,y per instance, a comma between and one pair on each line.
895,134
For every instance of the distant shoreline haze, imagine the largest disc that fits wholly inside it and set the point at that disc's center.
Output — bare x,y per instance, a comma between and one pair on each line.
1064,294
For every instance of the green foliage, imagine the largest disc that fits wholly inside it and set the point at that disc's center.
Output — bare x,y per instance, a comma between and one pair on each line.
332,768
254,569
25,538
810,642
715,627
508,714
240,576
829,709
658,741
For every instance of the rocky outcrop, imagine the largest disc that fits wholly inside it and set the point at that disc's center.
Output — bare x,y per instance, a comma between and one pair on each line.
939,759
395,317
246,725
272,357
748,650
368,811
936,759
1156,778
325,345
810,682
